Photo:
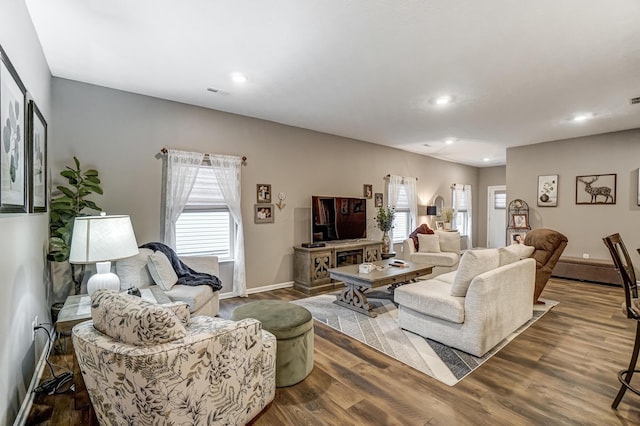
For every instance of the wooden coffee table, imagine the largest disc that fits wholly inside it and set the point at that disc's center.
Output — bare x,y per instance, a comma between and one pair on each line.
356,283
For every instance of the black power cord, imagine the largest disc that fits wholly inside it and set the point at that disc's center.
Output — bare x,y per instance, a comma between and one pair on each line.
56,384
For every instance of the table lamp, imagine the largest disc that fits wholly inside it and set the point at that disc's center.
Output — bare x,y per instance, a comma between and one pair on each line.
99,240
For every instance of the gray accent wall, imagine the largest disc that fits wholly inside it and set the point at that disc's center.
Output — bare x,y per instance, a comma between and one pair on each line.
584,225
25,291
121,135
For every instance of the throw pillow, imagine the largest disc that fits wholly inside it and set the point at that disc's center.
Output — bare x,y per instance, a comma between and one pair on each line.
133,271
181,309
429,243
472,264
162,271
513,253
422,229
133,320
449,241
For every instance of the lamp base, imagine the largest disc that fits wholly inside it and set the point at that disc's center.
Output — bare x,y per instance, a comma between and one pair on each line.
103,278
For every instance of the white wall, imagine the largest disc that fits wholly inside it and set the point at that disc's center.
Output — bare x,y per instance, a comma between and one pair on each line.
24,236
487,176
121,134
584,225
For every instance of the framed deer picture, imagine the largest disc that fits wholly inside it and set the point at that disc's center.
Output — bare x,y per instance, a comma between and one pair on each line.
596,189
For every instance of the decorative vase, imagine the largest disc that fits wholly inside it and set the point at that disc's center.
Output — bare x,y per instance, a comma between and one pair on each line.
386,242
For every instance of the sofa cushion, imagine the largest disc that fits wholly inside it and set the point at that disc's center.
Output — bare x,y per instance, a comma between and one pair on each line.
436,259
422,229
433,298
428,243
181,309
162,271
133,320
472,264
133,271
195,296
513,253
449,241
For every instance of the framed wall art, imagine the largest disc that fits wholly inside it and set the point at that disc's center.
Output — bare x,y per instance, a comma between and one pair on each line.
548,191
37,160
263,213
13,159
596,189
367,190
378,199
263,191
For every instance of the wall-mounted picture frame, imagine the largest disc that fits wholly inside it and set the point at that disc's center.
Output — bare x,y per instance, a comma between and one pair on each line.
440,225
13,151
548,191
367,190
596,189
378,199
263,193
37,160
520,221
263,213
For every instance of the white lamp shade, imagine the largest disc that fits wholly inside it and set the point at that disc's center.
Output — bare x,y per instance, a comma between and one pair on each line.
102,238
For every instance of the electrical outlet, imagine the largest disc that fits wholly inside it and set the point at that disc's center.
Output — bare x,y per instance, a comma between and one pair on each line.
585,255
34,324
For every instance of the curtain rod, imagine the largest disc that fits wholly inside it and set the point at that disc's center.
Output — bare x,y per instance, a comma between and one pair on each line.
388,176
165,151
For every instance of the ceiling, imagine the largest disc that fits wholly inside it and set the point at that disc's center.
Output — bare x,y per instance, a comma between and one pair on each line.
368,69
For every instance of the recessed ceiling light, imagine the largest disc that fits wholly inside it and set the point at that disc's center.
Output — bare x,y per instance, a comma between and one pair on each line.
449,141
443,100
486,159
582,117
238,77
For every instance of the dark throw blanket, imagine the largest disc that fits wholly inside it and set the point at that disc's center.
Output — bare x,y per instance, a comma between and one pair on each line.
186,275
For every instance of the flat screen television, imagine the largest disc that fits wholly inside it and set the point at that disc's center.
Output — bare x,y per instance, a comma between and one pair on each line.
338,218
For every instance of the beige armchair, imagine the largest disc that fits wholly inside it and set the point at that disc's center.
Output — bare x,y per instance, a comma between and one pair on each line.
443,254
144,363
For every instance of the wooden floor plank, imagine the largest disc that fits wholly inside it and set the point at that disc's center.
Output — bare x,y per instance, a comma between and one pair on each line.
562,370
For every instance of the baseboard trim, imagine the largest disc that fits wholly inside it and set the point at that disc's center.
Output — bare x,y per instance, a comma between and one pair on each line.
25,408
259,289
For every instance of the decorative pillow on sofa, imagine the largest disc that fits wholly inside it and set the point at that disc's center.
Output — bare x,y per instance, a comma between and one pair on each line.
472,264
162,271
449,241
133,320
514,252
429,243
422,229
133,271
181,309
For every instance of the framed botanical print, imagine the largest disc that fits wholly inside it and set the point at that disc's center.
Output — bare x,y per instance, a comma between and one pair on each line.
13,159
548,191
37,160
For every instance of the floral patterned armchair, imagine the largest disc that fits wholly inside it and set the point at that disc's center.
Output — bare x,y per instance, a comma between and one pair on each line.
145,364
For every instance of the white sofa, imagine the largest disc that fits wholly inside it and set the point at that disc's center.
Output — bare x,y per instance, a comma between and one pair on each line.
443,256
202,300
498,300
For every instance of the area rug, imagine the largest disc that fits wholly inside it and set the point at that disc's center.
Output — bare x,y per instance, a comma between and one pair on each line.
441,362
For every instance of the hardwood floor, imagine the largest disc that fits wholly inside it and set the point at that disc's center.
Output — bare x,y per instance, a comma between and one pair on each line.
562,370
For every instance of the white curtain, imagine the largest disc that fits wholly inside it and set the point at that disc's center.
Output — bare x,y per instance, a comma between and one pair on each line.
393,190
412,197
182,170
462,202
227,170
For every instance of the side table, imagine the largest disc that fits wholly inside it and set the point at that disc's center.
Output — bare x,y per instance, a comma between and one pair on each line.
77,308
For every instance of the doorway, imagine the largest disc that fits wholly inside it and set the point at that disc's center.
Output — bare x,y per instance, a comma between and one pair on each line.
496,216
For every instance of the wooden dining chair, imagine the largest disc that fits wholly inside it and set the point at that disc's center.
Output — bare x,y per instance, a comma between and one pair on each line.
631,308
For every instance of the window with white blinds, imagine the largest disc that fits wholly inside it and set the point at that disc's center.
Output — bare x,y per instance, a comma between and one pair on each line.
205,227
401,220
500,200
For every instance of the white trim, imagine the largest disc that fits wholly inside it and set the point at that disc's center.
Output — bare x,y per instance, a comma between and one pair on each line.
25,408
262,289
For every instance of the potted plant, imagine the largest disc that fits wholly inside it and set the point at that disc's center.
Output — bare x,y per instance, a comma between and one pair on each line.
65,206
384,218
448,217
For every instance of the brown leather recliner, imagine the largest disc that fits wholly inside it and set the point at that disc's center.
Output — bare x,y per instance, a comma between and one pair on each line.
549,245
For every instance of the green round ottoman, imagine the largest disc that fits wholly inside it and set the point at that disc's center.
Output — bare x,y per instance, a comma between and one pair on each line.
293,327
